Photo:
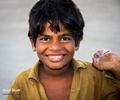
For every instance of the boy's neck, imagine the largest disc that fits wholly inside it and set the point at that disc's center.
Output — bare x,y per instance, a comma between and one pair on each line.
58,84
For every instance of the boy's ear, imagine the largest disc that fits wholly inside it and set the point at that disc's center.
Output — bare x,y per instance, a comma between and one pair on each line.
77,47
32,44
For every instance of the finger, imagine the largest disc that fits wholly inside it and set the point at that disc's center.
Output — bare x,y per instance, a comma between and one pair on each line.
100,53
95,62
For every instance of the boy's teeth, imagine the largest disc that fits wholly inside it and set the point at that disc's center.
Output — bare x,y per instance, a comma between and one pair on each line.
56,58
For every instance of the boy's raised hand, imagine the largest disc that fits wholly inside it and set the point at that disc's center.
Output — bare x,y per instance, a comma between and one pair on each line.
105,60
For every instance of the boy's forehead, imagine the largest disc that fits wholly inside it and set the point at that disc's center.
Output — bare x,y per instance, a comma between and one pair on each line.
47,27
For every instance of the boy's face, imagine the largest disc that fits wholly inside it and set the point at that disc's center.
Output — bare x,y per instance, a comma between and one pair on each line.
55,49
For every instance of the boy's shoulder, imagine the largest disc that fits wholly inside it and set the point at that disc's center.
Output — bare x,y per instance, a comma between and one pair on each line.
23,75
25,72
28,73
79,64
87,68
90,70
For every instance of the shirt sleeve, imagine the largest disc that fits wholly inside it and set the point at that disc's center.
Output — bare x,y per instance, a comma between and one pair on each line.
110,87
14,93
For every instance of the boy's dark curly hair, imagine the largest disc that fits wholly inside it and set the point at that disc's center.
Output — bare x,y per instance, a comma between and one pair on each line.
56,12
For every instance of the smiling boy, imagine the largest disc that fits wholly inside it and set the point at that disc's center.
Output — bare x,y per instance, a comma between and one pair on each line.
55,32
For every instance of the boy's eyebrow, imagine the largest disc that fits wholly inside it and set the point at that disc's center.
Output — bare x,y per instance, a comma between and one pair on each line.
65,34
43,35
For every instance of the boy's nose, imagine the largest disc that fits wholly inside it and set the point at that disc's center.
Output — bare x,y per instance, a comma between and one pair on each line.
55,46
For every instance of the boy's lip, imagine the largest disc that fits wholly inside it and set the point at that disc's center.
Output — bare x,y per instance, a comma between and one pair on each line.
55,57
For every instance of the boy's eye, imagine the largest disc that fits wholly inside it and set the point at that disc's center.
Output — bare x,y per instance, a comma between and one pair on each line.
66,38
44,39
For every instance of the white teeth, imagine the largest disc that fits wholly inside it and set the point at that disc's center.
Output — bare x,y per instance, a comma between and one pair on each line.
55,58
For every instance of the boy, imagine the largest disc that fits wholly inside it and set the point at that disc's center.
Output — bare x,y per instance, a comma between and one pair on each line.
55,32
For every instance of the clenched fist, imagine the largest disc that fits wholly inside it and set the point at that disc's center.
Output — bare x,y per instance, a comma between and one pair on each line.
105,60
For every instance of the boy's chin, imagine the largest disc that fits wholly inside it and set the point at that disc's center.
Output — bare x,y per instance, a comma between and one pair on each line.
55,70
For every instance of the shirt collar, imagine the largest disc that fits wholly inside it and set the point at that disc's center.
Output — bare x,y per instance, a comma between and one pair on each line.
34,72
77,64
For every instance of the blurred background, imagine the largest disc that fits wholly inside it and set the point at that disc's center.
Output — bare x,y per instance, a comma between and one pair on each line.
102,30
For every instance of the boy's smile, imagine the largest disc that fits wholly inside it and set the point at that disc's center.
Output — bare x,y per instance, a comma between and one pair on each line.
55,49
56,58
